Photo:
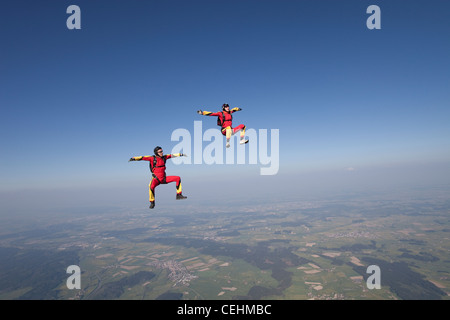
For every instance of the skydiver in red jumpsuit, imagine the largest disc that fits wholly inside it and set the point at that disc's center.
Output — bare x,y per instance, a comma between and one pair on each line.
158,169
225,121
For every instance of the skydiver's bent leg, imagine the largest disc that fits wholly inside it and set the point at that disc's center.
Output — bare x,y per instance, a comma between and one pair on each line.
228,132
242,135
151,191
177,181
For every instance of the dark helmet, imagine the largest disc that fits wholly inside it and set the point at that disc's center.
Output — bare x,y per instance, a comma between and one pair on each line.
225,105
156,150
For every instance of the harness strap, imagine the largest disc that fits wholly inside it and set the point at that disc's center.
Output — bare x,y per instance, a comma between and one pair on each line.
223,118
154,163
155,166
155,177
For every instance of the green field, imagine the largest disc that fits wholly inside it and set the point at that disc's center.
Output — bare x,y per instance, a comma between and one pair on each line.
298,250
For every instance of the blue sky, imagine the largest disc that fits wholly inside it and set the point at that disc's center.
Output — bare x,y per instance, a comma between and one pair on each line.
76,104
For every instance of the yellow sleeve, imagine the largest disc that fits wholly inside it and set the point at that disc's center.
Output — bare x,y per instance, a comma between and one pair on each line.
139,158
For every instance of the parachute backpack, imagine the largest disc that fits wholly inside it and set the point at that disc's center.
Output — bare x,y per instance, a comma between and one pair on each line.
155,151
219,121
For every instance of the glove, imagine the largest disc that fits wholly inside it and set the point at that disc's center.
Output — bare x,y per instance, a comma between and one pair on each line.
131,159
239,109
199,111
183,155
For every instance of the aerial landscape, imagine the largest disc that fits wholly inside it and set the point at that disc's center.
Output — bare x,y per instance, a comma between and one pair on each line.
297,250
308,142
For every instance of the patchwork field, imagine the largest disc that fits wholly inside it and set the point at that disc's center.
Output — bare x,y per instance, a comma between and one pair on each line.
296,250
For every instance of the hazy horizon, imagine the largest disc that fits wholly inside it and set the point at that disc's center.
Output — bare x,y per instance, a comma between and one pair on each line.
355,108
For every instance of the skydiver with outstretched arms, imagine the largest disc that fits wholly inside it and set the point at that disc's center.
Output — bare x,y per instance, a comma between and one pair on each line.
224,120
158,169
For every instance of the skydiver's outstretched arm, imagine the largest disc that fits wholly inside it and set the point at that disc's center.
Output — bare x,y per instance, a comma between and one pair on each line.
139,158
149,158
174,155
208,113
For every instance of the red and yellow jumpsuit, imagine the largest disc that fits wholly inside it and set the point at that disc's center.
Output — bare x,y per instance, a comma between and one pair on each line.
158,169
226,120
